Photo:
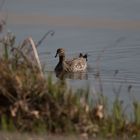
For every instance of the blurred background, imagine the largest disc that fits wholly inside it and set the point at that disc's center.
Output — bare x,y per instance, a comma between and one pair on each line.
107,30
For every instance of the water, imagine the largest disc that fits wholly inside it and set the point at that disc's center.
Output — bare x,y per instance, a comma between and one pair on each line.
106,28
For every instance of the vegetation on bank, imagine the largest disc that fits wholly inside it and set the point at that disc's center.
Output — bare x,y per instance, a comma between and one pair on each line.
32,102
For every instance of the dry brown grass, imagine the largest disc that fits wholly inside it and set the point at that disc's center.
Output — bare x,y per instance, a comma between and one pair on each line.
31,102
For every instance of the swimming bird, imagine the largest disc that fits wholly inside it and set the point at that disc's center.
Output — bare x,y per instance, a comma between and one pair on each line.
74,65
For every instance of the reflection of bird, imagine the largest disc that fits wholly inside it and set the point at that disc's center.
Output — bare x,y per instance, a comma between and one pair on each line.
75,65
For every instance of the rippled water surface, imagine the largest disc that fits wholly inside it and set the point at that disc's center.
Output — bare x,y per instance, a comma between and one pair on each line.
108,31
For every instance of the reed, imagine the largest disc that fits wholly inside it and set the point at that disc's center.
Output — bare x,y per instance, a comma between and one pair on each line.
33,102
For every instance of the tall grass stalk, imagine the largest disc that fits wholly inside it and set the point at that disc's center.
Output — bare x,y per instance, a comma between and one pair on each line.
136,106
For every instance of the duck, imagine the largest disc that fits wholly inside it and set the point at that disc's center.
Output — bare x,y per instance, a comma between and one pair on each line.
78,64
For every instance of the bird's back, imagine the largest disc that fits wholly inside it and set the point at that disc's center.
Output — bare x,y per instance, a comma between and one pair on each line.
77,64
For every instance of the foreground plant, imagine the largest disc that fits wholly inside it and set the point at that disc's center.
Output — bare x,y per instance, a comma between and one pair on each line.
32,102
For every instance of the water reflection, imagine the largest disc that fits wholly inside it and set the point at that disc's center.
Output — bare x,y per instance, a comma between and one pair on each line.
72,75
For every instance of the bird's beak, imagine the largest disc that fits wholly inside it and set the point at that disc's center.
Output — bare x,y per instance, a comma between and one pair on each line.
56,55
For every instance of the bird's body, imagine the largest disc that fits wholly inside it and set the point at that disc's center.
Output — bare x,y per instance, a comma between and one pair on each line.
74,65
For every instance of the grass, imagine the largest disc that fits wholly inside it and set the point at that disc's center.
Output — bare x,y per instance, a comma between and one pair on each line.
30,102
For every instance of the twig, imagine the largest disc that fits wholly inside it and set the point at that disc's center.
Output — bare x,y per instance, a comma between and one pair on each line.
36,54
51,32
2,21
106,47
98,60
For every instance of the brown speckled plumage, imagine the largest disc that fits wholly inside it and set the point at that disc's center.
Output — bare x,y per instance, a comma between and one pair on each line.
75,65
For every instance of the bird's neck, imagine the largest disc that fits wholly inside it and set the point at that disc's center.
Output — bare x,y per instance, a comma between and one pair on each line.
61,58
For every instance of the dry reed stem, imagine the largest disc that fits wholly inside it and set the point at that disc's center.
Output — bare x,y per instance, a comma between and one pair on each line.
36,55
